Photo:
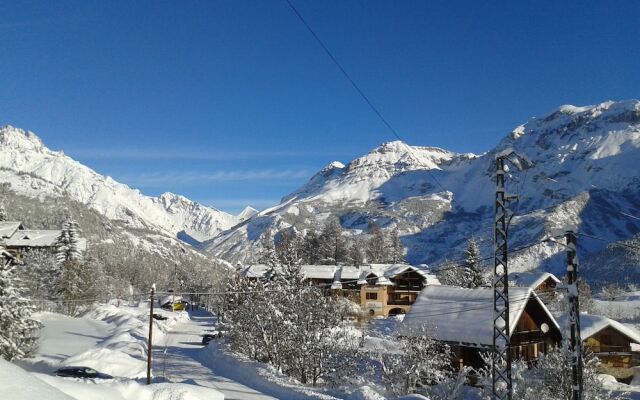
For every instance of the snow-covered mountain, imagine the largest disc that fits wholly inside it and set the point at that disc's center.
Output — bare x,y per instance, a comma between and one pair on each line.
585,175
29,168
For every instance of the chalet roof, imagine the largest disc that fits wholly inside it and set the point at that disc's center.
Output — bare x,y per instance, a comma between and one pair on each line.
8,228
531,279
592,324
385,272
461,315
38,238
340,273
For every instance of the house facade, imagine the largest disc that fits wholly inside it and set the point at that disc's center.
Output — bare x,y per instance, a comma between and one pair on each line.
17,240
611,341
463,318
379,289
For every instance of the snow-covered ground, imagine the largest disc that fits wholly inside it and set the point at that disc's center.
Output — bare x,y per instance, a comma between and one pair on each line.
109,339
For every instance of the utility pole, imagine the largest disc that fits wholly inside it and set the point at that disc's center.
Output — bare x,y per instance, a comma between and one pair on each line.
501,358
575,341
150,342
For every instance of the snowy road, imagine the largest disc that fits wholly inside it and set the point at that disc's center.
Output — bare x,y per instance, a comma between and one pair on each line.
183,348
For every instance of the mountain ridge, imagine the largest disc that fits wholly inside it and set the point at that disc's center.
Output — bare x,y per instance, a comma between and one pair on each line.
33,169
584,173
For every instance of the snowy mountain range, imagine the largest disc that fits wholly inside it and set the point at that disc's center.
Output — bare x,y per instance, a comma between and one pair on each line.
31,169
585,176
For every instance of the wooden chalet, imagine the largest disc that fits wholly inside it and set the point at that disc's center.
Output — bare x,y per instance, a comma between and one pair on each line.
18,240
463,318
610,341
543,283
380,289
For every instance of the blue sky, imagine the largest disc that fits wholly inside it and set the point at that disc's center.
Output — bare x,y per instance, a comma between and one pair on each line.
233,103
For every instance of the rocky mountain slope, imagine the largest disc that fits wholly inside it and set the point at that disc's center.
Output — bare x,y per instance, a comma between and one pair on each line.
31,169
585,176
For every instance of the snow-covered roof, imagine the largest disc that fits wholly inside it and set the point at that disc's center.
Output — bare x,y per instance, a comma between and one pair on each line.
341,273
169,299
385,272
592,324
462,315
8,228
38,238
531,279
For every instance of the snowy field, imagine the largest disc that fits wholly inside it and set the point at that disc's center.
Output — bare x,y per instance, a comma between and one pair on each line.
113,339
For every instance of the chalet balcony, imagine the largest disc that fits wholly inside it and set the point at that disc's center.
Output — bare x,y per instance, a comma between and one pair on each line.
527,337
402,299
604,349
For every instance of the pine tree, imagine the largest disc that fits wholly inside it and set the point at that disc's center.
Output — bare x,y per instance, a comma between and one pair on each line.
18,331
40,274
67,244
3,213
268,254
333,246
356,254
376,244
396,250
473,268
311,247
289,248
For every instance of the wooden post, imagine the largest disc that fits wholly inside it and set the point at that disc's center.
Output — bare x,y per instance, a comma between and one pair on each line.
150,343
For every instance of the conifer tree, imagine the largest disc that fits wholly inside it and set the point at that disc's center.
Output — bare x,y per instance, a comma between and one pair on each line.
333,246
396,251
356,254
268,254
473,268
18,331
67,244
376,244
3,213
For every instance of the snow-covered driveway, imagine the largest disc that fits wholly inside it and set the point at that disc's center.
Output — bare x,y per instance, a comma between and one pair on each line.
182,353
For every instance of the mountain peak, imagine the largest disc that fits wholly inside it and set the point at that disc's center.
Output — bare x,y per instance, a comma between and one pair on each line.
11,136
247,213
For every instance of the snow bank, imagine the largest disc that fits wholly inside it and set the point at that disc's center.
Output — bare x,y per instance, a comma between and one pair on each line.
18,384
124,352
83,390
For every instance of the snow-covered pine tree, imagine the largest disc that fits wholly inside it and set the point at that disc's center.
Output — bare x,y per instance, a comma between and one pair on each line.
333,246
376,244
3,213
268,254
67,244
289,248
396,252
18,331
311,247
40,273
356,253
474,273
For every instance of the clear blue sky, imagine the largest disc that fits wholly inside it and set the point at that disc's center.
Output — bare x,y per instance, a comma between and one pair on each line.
233,103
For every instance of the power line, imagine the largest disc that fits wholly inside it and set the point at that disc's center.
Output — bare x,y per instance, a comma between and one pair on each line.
364,96
344,72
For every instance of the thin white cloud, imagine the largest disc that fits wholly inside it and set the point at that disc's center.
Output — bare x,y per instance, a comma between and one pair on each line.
158,179
187,154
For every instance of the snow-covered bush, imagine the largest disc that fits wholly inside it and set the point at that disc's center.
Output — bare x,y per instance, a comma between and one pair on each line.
549,378
18,332
413,364
290,324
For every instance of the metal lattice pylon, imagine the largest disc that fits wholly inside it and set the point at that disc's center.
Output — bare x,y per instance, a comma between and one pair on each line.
575,341
501,357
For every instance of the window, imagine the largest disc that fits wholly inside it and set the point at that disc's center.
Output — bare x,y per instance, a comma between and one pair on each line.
372,296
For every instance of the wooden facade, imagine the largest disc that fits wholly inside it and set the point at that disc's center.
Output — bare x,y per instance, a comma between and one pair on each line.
528,340
612,348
